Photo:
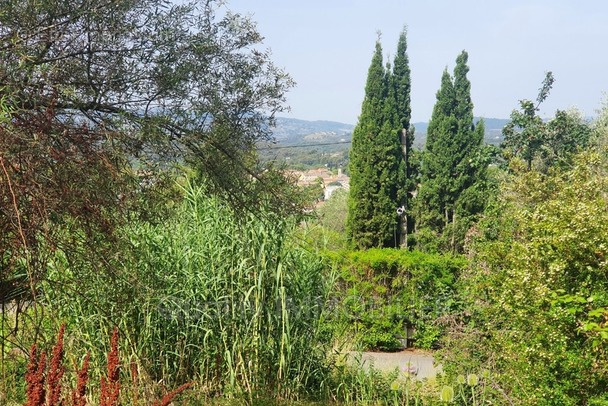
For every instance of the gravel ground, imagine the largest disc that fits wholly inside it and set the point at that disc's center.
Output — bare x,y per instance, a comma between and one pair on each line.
421,362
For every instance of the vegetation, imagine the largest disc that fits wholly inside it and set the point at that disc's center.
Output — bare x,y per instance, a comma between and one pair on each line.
308,156
377,166
134,206
544,144
538,283
384,292
402,85
45,387
229,303
454,167
155,81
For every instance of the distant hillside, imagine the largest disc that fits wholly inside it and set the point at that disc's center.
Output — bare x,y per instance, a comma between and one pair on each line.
493,134
304,145
291,131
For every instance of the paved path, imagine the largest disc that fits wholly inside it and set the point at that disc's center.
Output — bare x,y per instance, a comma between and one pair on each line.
388,361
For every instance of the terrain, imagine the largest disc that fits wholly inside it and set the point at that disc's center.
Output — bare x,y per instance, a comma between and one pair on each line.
302,144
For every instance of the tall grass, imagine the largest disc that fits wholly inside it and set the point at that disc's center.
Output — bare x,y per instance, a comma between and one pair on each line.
226,299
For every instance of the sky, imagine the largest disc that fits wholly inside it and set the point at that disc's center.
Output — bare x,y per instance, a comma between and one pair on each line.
327,47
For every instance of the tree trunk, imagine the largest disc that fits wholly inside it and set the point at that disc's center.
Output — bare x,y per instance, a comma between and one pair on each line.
454,232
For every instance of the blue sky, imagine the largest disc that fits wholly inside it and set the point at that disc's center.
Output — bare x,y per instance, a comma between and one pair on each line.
327,46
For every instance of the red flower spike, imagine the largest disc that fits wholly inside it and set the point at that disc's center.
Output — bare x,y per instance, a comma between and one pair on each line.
56,371
78,396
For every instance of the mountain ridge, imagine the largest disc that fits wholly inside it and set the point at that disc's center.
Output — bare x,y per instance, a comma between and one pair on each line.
294,131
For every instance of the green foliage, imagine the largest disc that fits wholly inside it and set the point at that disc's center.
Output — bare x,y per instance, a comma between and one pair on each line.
472,389
313,193
100,101
536,291
355,385
453,186
523,135
13,365
332,214
227,301
402,84
302,159
162,81
377,166
383,291
325,228
540,143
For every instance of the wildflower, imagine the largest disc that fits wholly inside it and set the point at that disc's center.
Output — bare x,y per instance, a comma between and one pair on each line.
447,394
409,369
110,385
169,396
79,394
35,378
56,370
472,379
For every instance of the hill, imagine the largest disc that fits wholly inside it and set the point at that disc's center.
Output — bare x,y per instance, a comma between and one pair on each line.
291,131
493,134
304,144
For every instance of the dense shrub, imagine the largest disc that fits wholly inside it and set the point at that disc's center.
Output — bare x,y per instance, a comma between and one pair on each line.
535,292
383,291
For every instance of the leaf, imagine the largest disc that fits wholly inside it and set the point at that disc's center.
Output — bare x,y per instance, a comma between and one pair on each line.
597,312
590,326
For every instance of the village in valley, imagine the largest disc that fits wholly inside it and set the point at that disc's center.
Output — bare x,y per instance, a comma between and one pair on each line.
330,180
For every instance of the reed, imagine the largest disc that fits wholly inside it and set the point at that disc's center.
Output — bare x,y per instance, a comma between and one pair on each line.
227,299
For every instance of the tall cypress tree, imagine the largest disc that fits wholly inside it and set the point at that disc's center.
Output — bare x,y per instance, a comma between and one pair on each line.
453,170
463,109
375,159
402,87
436,169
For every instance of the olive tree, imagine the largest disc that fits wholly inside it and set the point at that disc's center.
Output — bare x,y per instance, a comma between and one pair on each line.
97,95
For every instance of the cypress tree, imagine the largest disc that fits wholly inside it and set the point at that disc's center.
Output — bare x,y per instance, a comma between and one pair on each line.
463,109
375,159
402,84
453,168
392,169
436,172
402,87
444,108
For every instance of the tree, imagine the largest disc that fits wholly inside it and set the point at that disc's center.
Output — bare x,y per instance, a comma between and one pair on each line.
402,85
523,135
435,172
375,160
169,81
528,137
97,93
454,165
462,92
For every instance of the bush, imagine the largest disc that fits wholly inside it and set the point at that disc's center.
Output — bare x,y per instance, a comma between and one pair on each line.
383,291
535,294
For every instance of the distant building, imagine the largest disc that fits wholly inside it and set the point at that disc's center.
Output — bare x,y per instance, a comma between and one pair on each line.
331,182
